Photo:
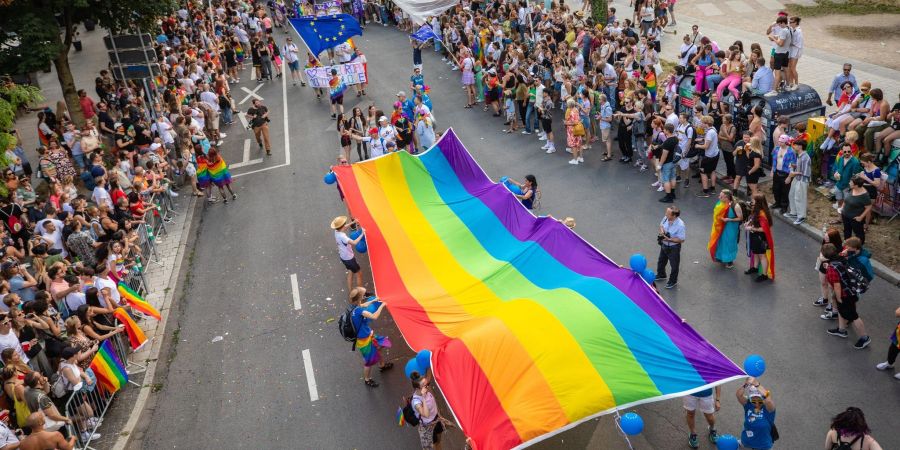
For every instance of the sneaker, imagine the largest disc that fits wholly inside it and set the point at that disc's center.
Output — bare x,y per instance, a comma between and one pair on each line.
829,315
687,182
862,343
897,376
526,132
837,332
800,220
580,159
88,436
713,435
751,271
660,189
884,366
546,146
543,138
656,184
693,442
667,199
661,277
670,285
637,163
551,150
762,277
573,162
820,302
703,194
788,214
643,168
729,265
568,150
223,135
626,160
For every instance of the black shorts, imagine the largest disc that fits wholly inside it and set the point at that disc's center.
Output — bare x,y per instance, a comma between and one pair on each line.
753,178
345,141
781,61
847,309
547,125
708,165
351,265
339,100
438,430
758,243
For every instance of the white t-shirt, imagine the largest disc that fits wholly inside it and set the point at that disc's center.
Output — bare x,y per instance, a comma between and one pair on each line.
55,236
290,52
101,283
376,147
712,137
9,340
101,195
688,51
345,249
344,52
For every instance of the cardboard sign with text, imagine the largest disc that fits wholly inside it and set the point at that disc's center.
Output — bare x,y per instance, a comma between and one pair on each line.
352,73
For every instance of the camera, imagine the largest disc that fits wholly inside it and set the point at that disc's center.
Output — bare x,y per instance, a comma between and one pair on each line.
660,237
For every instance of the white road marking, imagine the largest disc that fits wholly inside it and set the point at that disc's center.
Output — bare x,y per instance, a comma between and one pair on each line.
295,292
251,93
243,118
310,376
287,133
264,169
246,163
246,150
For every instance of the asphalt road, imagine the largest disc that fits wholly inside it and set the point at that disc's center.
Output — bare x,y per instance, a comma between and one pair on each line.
251,388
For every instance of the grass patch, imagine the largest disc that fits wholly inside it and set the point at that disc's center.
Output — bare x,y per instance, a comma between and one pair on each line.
852,7
862,32
667,66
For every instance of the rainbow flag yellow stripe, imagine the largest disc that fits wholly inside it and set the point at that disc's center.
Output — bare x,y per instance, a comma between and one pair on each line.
531,329
108,368
136,336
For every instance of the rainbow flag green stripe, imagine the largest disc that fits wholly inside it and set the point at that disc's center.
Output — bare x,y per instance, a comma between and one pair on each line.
108,368
531,329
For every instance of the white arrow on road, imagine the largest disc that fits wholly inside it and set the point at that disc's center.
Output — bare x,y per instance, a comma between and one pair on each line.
250,94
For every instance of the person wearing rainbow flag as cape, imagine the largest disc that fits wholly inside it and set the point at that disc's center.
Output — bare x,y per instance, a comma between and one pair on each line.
760,245
368,343
726,227
336,88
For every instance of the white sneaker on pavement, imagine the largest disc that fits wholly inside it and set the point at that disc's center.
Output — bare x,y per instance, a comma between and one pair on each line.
580,159
573,162
655,184
660,189
551,150
543,137
884,366
568,150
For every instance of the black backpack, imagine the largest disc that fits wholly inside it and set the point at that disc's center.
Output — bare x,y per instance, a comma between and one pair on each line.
409,413
692,149
841,445
852,279
346,326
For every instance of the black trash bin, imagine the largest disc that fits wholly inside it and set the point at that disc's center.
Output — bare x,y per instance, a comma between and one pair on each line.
797,105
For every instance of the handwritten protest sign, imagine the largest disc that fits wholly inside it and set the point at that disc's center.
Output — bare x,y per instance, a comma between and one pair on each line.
351,73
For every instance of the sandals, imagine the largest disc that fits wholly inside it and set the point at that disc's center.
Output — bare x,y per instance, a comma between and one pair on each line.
468,106
386,366
606,158
371,383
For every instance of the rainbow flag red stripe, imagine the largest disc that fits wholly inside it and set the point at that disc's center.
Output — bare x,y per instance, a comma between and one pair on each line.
108,368
137,302
136,336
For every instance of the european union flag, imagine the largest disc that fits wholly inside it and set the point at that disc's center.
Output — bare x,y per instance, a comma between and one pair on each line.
425,33
324,32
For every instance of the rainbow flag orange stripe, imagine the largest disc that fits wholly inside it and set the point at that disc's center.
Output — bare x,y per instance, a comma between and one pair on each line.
135,301
719,211
108,368
531,329
136,336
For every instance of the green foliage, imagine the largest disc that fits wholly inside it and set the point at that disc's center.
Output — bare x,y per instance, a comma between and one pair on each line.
599,10
12,97
851,7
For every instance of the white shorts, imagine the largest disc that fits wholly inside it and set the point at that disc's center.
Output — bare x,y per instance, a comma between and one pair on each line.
795,53
706,405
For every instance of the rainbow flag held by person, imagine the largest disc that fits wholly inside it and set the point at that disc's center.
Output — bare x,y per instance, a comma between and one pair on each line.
531,329
399,417
336,87
719,211
770,252
137,302
219,173
136,336
650,78
203,177
108,368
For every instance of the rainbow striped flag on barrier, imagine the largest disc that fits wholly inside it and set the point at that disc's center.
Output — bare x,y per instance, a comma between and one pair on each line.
532,330
136,336
137,302
108,368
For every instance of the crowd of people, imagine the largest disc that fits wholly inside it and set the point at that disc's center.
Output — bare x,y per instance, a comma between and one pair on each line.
522,61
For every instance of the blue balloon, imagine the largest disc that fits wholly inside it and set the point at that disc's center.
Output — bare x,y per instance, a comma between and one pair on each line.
330,178
755,365
631,424
355,233
648,275
361,246
638,262
423,358
412,366
727,442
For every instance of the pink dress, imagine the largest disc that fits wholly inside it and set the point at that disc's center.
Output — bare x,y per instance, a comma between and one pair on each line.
573,116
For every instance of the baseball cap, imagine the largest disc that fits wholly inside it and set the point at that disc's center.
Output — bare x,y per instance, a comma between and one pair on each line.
382,119
401,94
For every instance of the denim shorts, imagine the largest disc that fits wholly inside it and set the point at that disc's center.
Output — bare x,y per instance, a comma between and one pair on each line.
667,173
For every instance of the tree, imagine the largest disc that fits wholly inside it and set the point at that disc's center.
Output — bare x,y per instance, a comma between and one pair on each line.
12,97
599,10
36,32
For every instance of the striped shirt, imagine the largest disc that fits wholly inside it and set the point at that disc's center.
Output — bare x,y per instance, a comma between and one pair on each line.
803,169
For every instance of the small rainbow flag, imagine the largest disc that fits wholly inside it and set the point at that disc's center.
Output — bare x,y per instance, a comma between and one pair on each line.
136,302
136,335
108,368
400,419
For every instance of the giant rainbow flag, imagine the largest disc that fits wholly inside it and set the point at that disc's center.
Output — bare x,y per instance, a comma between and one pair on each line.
532,330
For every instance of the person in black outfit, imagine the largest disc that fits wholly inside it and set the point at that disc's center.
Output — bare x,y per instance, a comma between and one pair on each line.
624,132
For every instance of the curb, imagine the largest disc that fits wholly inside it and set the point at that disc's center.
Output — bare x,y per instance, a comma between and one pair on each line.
881,270
127,432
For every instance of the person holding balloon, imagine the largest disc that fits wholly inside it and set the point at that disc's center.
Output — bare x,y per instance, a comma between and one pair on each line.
368,343
528,189
759,415
345,245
